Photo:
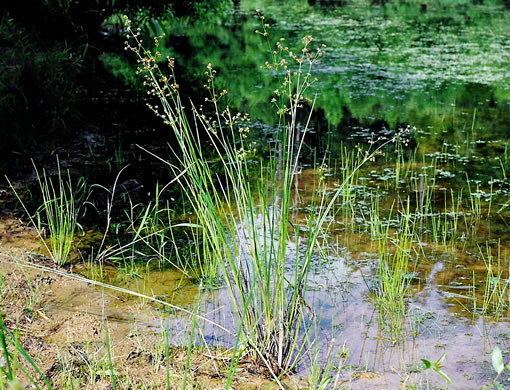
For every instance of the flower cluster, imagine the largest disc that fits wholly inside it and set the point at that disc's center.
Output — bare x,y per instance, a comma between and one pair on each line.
297,78
215,97
158,84
221,120
322,171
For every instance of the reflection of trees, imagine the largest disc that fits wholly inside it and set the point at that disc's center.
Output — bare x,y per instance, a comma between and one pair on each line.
370,86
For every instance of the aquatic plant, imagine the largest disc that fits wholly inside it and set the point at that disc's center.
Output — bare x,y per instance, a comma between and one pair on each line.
244,219
436,366
498,363
496,294
119,159
323,369
57,216
242,201
393,276
60,208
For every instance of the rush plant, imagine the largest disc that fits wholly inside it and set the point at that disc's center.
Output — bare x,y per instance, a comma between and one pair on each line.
242,202
57,216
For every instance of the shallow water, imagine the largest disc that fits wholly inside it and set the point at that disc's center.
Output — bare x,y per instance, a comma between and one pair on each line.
444,71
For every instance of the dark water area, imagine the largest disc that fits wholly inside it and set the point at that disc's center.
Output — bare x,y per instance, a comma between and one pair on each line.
442,68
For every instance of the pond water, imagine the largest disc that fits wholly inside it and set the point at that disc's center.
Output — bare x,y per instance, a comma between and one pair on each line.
444,70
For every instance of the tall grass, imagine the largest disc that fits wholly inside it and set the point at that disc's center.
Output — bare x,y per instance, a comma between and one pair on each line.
242,203
59,213
246,228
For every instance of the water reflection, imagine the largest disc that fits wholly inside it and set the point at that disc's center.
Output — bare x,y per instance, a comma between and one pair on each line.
441,69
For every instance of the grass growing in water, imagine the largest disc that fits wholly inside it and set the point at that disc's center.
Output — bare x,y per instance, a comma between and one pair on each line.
393,276
57,216
248,237
496,294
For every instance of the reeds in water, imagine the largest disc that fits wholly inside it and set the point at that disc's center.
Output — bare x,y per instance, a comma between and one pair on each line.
242,207
57,216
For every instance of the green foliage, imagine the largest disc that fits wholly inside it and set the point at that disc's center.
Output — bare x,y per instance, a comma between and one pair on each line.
12,371
496,295
393,274
404,83
120,68
497,360
247,235
436,366
59,212
113,376
49,63
498,363
247,240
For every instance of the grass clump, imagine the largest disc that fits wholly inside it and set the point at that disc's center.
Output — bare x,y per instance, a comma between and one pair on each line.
247,237
393,277
496,294
57,216
59,213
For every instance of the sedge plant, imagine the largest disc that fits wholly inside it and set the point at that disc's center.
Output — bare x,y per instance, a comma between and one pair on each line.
242,205
57,216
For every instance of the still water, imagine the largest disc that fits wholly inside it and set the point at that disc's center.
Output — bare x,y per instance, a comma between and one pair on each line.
441,68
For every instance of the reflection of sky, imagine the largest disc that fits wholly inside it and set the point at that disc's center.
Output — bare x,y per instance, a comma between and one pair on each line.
337,293
400,58
435,75
394,63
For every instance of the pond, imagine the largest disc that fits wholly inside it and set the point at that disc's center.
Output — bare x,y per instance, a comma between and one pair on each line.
413,262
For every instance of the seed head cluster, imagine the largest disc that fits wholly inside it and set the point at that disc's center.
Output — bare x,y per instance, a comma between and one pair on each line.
292,70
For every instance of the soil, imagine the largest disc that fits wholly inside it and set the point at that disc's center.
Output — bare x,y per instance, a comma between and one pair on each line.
69,326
